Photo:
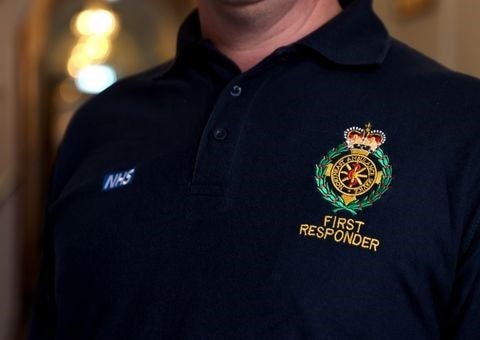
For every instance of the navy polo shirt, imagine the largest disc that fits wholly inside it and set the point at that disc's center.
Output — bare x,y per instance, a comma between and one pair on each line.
330,192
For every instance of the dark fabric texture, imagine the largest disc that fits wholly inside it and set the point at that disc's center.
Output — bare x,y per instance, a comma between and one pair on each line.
205,240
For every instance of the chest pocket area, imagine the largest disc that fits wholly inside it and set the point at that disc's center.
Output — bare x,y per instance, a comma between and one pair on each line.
123,212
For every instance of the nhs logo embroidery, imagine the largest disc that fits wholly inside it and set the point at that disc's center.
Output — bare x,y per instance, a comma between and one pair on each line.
118,180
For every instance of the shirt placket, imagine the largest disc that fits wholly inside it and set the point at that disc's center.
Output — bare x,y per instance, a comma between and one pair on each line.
221,135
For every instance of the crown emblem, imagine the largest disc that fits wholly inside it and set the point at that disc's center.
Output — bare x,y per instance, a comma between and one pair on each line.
365,139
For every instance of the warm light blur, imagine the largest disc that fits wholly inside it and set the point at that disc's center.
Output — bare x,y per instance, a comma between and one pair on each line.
76,62
89,50
67,91
97,48
95,21
95,28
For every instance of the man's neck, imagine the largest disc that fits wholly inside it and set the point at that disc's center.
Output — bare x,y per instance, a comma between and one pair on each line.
247,31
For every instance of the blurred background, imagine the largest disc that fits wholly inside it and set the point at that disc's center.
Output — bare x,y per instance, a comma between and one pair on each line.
56,54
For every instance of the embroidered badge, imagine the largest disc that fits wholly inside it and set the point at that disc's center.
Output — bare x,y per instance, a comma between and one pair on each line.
356,173
117,180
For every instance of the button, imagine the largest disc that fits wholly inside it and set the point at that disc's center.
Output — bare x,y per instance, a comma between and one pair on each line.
236,91
220,134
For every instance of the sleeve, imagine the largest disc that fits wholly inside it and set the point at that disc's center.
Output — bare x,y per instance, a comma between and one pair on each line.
43,315
44,312
84,131
463,314
464,311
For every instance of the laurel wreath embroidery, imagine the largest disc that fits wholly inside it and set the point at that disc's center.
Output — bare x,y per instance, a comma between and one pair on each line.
336,200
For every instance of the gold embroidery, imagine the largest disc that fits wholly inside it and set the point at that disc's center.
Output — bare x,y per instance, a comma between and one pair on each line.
341,230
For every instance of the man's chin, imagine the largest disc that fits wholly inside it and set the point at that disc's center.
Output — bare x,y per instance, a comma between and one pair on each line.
239,3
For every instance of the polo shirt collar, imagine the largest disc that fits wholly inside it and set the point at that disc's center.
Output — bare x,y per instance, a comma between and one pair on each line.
356,36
